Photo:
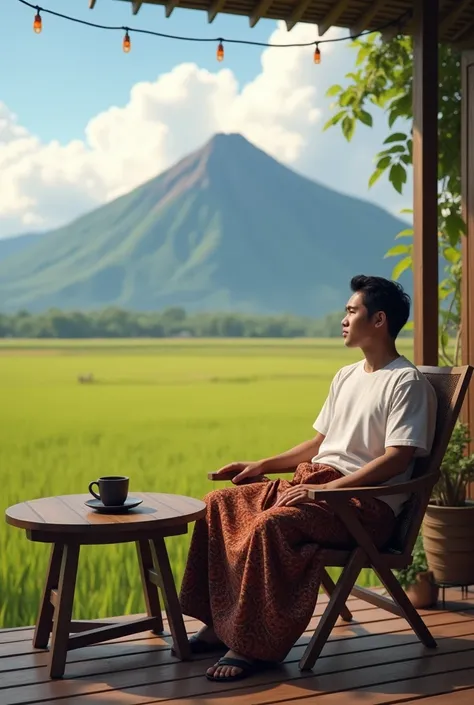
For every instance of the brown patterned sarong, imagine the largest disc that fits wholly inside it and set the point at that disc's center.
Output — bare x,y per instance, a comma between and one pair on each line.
254,570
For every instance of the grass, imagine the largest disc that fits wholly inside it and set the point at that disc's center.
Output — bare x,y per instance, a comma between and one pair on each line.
162,412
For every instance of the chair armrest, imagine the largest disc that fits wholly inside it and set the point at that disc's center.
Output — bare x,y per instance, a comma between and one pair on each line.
410,487
230,474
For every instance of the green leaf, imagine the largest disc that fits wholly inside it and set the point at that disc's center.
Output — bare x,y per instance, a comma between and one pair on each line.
409,326
398,250
395,137
406,210
396,149
401,266
348,127
452,255
409,232
375,177
366,118
398,177
334,90
335,119
384,163
444,338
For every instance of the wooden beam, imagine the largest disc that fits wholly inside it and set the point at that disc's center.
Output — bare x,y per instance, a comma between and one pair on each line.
453,15
170,6
366,18
332,16
136,5
297,14
259,11
467,181
92,4
214,10
425,176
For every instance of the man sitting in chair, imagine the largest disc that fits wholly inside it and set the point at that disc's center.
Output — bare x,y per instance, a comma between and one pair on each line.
255,561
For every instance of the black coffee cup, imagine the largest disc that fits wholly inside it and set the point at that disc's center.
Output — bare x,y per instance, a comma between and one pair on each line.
113,490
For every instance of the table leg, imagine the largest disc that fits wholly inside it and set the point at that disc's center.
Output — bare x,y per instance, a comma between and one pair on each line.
170,598
44,621
63,613
150,591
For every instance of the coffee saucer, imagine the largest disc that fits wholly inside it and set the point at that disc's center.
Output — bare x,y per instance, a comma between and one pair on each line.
129,503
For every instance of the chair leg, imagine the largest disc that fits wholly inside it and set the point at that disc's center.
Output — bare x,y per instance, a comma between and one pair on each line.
63,611
44,621
329,586
170,598
150,591
339,596
409,612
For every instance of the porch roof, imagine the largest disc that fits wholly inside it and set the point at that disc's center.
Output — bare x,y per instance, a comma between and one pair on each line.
456,20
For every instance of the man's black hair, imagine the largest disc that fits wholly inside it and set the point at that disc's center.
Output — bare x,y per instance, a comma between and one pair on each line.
381,294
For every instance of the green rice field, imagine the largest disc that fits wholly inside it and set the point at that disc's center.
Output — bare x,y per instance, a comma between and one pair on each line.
165,413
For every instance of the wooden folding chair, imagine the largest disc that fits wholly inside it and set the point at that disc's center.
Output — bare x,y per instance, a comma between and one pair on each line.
450,384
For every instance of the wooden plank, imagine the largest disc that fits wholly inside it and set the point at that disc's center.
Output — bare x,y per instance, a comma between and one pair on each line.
360,651
462,697
452,15
259,11
425,174
297,13
92,4
170,6
366,18
136,5
381,621
467,178
214,10
333,16
387,680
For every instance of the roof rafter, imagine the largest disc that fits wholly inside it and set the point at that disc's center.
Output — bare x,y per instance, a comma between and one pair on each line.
170,6
297,14
452,15
214,10
92,4
366,18
136,5
332,16
259,11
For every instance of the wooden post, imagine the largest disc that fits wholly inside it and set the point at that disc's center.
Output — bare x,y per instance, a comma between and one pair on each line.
425,168
467,175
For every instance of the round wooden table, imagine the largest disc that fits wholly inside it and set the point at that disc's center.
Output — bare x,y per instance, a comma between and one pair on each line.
68,523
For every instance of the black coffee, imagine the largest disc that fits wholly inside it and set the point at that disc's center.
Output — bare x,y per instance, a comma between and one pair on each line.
113,490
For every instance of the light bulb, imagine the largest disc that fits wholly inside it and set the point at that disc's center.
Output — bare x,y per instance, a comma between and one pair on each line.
220,52
126,44
317,55
38,23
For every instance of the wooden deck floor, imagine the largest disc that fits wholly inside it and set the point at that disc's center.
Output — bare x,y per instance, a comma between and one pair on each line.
376,659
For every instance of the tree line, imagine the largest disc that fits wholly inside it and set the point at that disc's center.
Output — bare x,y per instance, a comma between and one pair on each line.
175,321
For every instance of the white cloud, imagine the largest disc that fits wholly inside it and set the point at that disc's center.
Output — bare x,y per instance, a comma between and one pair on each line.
282,111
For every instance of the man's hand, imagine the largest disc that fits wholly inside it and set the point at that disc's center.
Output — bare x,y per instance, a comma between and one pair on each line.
244,470
296,495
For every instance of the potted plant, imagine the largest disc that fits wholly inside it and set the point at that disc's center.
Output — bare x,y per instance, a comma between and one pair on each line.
448,525
417,580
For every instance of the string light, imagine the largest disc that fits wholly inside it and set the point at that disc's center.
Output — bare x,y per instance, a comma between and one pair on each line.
126,43
38,22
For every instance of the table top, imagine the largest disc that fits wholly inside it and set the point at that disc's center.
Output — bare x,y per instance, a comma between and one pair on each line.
70,514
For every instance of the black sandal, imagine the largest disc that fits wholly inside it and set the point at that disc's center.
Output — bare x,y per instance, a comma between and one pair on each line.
248,669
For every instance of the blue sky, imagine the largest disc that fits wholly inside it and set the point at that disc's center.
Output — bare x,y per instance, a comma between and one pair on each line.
82,122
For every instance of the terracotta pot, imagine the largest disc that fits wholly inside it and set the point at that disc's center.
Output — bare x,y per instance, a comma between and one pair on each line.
423,593
448,540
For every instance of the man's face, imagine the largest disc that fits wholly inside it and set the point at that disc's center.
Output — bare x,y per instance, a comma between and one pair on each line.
357,328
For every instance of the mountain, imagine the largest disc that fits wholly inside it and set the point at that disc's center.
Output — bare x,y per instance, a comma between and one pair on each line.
11,245
227,228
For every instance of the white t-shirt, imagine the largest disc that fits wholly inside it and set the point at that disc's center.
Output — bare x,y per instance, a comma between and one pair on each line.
367,412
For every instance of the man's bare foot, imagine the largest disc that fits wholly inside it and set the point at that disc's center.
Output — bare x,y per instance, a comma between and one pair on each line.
218,671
